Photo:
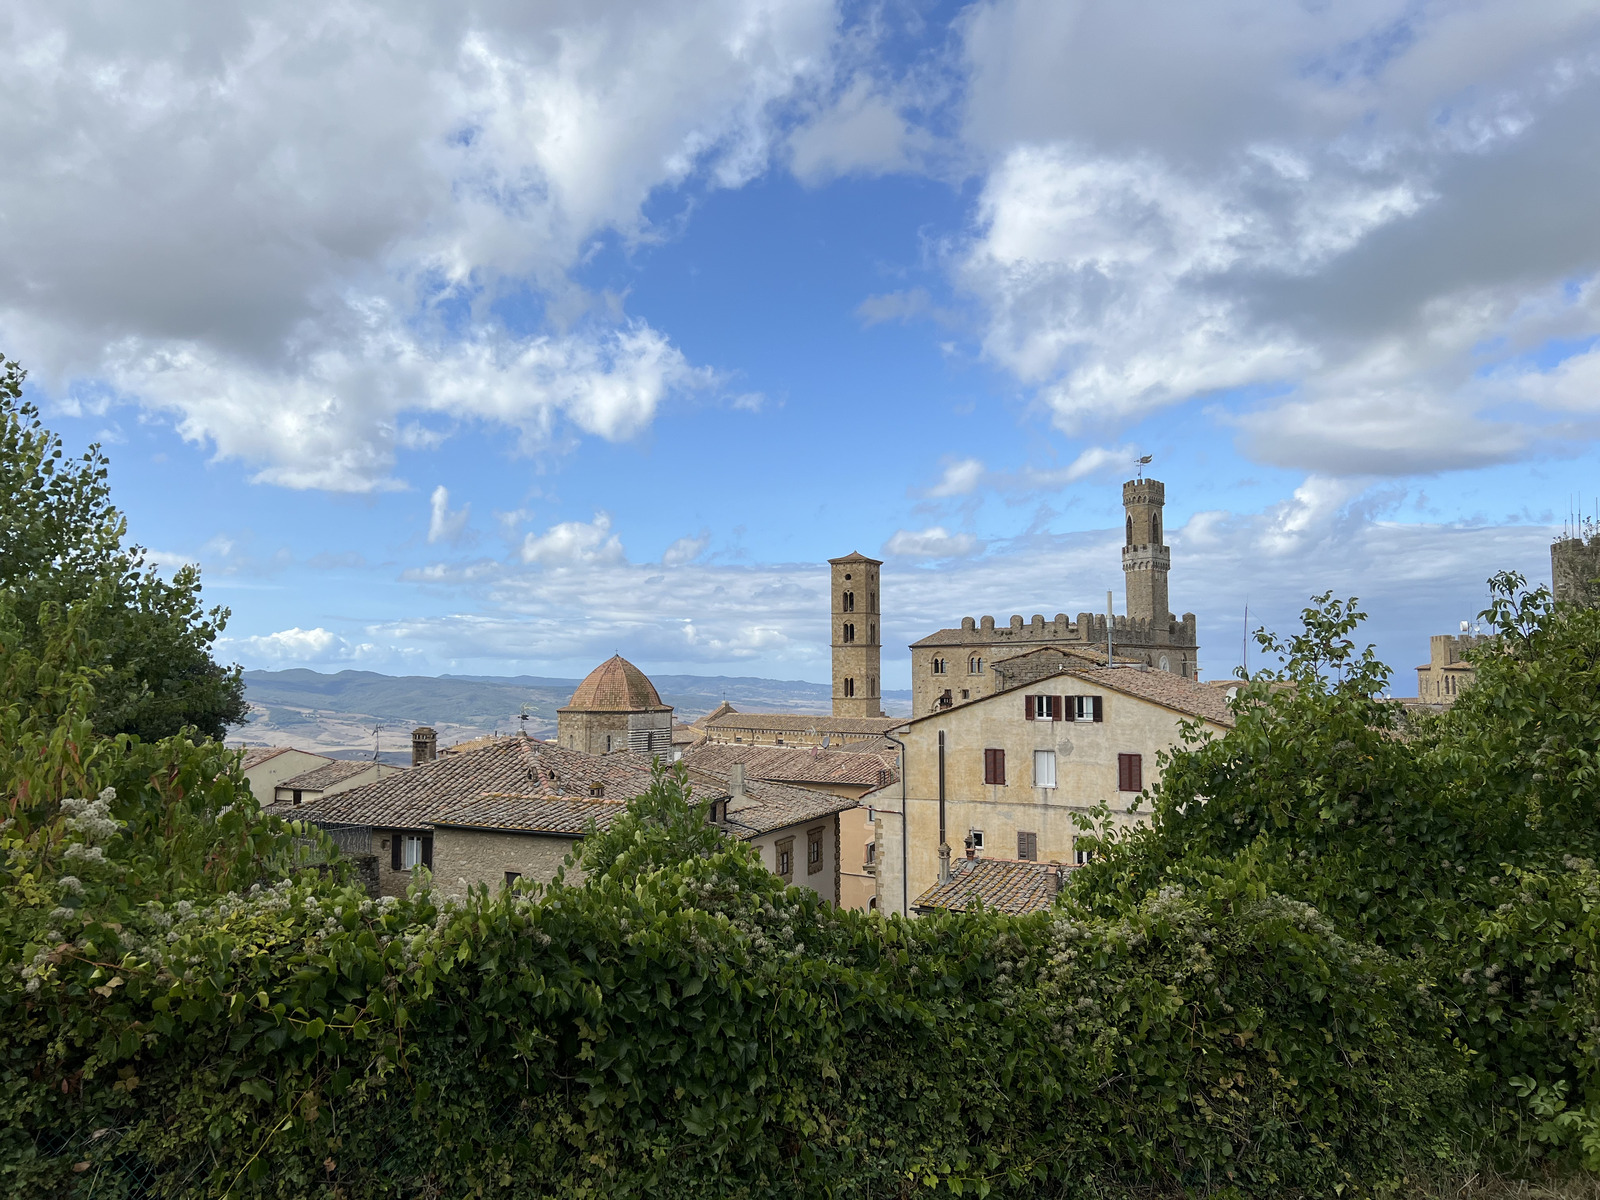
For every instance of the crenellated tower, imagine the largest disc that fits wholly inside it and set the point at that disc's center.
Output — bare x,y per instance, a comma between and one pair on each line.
857,638
1146,559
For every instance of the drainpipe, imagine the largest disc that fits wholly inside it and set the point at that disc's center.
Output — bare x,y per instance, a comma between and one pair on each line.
905,834
944,846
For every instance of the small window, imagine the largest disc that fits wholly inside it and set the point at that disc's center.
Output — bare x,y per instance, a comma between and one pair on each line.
1044,768
813,851
512,877
1130,531
297,795
1028,846
872,631
785,852
849,687
1087,708
974,665
939,666
966,694
872,601
977,838
872,685
608,743
849,633
597,788
1155,528
994,766
1130,772
849,604
1082,857
411,852
872,853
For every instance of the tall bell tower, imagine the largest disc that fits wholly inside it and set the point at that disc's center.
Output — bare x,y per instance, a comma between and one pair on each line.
1146,558
857,638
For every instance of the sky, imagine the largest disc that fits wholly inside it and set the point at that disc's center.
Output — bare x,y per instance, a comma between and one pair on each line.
494,338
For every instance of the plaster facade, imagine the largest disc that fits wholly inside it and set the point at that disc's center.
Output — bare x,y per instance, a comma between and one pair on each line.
821,874
1013,812
267,766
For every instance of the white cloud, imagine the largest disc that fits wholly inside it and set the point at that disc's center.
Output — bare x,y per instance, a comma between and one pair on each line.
933,542
575,544
685,550
861,133
443,524
277,226
292,645
1357,213
960,478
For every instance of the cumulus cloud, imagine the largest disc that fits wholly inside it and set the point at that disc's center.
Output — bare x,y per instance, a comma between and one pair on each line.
575,544
686,549
933,542
293,645
443,524
960,478
290,232
1336,222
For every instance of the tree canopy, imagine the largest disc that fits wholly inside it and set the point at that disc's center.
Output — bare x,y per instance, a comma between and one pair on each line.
148,639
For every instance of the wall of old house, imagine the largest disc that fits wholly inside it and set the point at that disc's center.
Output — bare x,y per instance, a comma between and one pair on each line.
1086,773
824,879
464,858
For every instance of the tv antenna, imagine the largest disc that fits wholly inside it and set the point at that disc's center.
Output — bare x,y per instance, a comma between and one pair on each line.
376,730
1142,464
522,720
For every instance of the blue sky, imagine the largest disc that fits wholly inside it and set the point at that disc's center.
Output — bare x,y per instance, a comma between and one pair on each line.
469,338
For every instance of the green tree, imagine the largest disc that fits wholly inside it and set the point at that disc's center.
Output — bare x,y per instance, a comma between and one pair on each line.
61,548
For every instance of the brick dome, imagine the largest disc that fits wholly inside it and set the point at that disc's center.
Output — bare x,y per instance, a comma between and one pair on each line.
616,685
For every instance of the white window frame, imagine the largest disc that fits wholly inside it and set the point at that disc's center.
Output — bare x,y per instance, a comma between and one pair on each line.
977,838
1045,778
411,851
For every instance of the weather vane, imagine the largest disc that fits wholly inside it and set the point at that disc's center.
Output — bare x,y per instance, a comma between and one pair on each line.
1143,463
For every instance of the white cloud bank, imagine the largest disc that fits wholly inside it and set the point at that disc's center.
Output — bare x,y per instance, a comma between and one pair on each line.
288,230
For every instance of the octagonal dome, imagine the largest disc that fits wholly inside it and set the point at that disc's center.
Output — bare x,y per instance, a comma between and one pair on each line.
616,685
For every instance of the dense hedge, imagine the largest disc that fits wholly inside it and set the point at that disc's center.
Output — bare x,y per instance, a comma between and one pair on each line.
1347,950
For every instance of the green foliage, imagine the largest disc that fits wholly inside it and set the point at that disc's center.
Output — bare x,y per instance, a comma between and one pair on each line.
61,549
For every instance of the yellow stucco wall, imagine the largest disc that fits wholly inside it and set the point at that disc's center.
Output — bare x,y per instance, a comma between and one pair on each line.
1086,773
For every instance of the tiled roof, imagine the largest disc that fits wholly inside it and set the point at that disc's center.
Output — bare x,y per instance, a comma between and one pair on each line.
1003,884
779,805
722,710
805,723
513,766
531,814
857,556
321,778
1163,687
785,764
616,685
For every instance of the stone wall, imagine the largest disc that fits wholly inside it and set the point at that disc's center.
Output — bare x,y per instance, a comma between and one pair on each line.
1574,568
463,858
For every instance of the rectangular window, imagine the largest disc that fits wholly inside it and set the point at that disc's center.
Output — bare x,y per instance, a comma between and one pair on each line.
512,877
813,851
1028,846
977,839
786,858
1081,857
1130,772
412,854
1086,708
872,852
1044,768
994,766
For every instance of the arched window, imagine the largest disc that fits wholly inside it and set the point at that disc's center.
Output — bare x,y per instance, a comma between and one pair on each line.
849,687
1155,528
872,631
1130,531
849,604
849,633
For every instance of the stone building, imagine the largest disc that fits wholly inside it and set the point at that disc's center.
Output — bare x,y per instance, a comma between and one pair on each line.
857,647
1017,770
728,726
1575,567
1447,673
616,708
956,666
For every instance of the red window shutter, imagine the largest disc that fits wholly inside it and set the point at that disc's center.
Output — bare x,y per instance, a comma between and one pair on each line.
1099,709
1055,708
1000,766
1135,772
1027,707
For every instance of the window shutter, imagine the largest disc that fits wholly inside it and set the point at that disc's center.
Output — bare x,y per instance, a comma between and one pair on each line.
1028,847
427,850
1099,709
1000,766
1069,708
1027,707
396,844
1055,708
1135,772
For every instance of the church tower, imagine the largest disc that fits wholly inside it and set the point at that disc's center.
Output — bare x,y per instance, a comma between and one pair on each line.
1146,559
857,644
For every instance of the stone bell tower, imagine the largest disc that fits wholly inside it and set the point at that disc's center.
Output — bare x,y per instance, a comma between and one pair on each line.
857,639
1146,559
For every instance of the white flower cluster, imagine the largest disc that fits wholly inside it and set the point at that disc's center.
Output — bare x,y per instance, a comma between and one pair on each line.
92,818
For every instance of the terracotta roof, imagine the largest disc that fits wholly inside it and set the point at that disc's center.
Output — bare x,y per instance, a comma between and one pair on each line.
805,723
514,766
616,685
798,764
856,556
531,814
686,735
779,805
1003,884
319,779
722,710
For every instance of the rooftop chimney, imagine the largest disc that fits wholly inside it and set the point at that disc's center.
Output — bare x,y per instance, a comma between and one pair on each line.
737,797
424,745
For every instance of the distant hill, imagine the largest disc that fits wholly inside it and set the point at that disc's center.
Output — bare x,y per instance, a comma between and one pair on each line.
336,714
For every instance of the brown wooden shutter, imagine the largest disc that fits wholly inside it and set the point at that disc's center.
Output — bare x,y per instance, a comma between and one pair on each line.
1027,707
396,844
1069,708
1028,847
1055,708
1099,709
994,766
1130,772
